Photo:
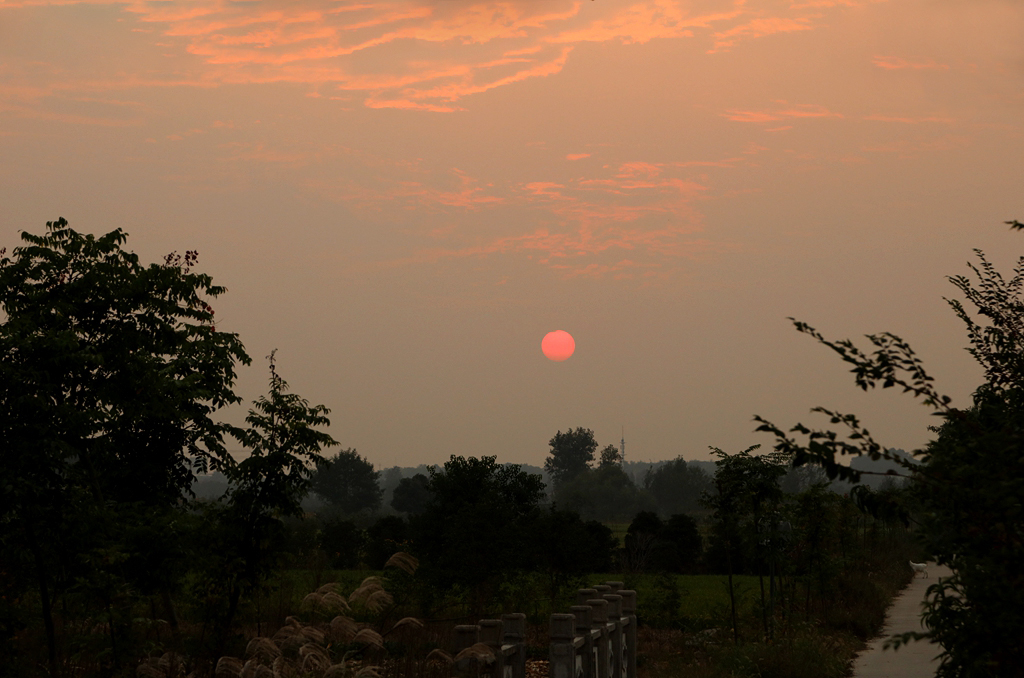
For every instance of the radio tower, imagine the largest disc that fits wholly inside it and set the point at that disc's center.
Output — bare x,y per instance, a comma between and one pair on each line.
622,447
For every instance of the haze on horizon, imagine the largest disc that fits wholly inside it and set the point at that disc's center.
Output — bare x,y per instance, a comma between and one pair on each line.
404,197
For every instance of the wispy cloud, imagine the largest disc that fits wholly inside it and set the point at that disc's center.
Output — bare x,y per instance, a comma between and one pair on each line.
773,115
421,55
896,63
622,221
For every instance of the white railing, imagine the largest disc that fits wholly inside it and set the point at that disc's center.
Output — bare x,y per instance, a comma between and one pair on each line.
597,640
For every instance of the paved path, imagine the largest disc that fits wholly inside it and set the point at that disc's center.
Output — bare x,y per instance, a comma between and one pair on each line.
916,660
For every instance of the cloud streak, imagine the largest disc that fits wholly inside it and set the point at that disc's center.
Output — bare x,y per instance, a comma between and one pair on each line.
420,55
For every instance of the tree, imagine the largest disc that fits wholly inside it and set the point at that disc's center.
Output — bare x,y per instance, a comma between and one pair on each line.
676,487
347,482
284,446
603,493
412,494
746,493
477,525
384,538
565,548
970,478
683,544
110,373
642,541
610,456
571,454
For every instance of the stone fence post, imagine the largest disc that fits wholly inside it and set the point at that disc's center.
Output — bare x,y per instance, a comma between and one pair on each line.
562,654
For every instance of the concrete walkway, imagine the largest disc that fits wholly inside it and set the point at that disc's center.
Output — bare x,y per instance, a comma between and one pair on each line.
916,660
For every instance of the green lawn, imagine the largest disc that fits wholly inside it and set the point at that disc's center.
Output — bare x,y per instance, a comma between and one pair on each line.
701,597
619,531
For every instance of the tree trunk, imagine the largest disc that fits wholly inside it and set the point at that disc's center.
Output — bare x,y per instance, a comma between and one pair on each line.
44,596
732,599
172,617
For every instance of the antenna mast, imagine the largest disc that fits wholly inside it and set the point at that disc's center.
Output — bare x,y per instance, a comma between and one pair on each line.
622,447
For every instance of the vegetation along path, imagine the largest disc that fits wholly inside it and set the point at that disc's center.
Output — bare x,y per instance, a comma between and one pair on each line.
915,660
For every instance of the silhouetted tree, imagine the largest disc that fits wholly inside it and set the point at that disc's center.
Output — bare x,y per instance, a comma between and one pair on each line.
110,373
610,456
605,493
566,548
387,536
348,482
642,541
284,446
571,454
676,487
683,544
412,494
477,524
969,481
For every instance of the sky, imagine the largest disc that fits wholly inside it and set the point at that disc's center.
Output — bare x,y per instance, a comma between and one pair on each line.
404,197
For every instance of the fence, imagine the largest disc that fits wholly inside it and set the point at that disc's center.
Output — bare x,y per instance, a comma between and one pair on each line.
597,640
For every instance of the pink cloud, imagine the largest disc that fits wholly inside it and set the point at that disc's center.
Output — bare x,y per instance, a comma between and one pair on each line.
758,28
749,116
798,111
896,63
910,120
425,55
577,156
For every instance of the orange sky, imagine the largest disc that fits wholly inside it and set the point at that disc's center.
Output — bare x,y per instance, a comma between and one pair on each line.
404,197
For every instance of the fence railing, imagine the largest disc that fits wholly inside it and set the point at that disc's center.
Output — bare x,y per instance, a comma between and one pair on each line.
597,640
495,645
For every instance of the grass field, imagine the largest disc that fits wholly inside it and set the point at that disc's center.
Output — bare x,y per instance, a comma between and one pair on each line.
702,600
696,601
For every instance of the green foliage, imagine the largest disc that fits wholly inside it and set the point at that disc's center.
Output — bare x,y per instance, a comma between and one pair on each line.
810,654
342,542
677,488
110,373
564,548
656,546
348,482
683,544
475,528
571,454
268,485
970,479
604,493
610,455
386,536
412,494
746,502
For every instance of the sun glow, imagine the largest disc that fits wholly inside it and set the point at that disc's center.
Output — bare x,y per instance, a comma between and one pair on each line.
558,345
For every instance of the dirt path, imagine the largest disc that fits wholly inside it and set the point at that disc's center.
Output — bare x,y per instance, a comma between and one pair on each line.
916,660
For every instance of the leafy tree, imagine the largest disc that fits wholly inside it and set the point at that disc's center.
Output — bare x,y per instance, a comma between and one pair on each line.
746,492
565,548
970,479
348,482
110,373
389,479
683,544
284,445
571,454
642,541
610,456
676,487
342,543
412,494
603,493
476,526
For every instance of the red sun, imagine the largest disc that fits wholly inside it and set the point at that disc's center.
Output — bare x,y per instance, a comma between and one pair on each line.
558,345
